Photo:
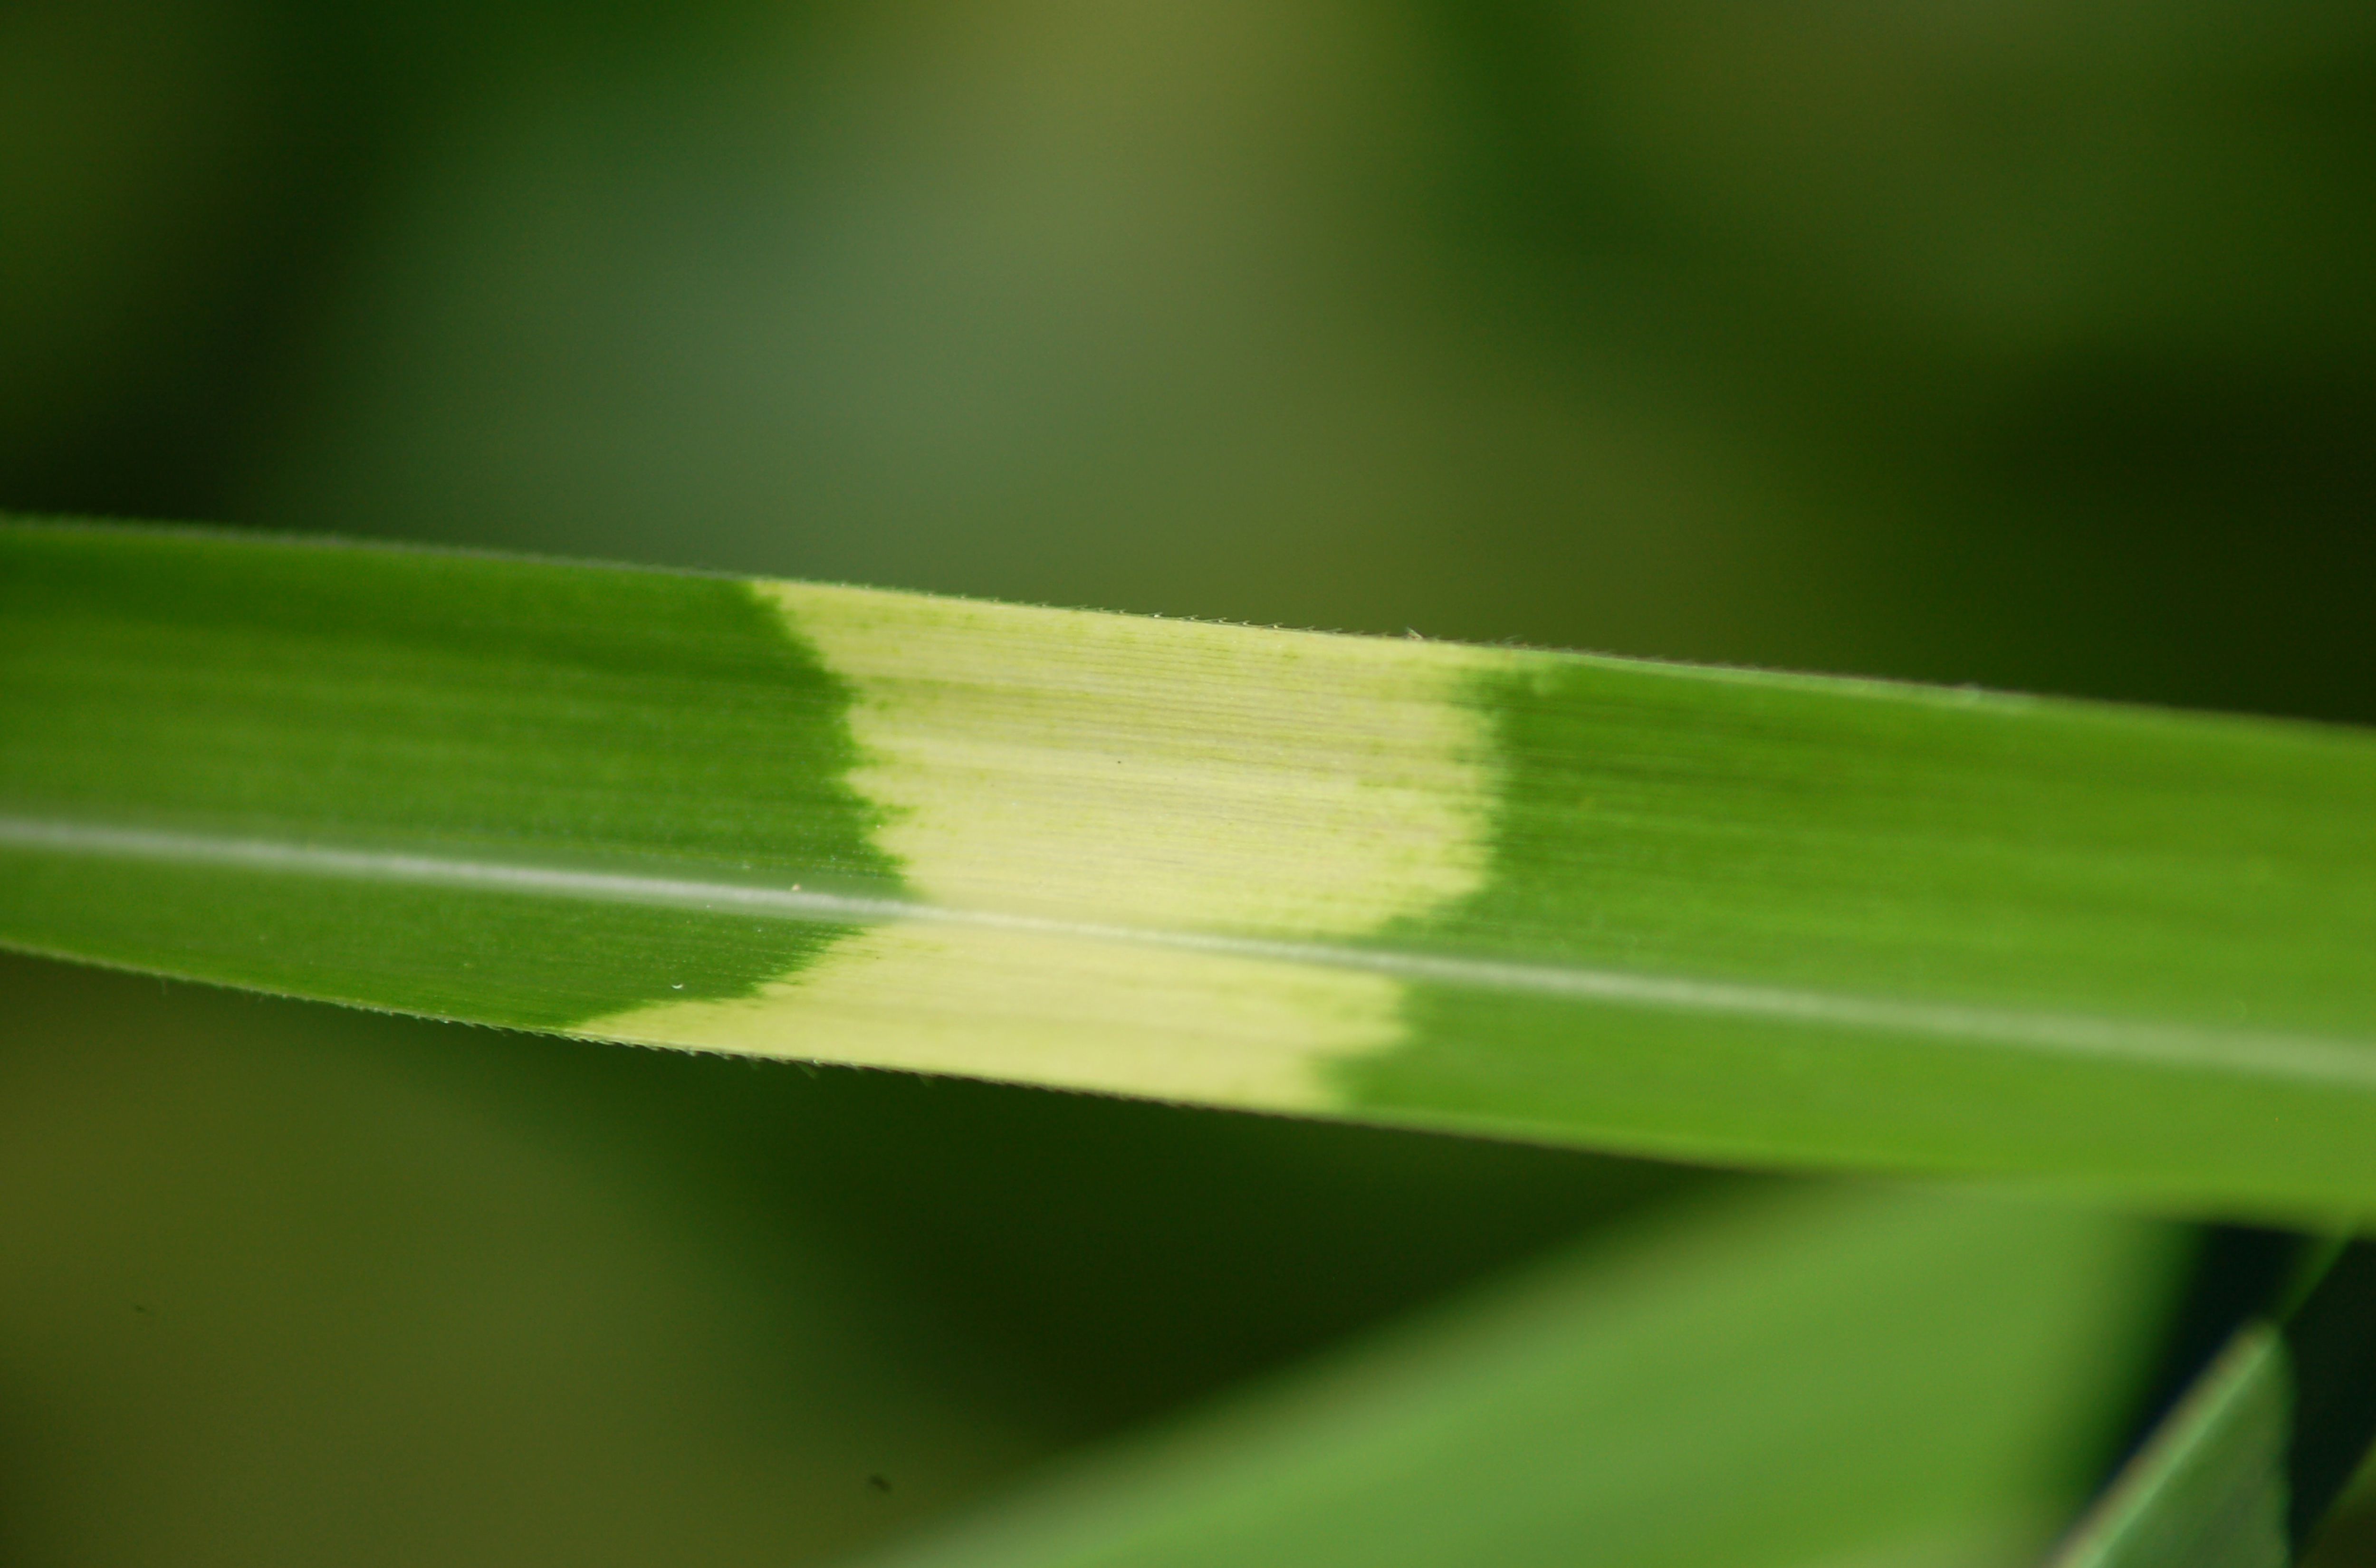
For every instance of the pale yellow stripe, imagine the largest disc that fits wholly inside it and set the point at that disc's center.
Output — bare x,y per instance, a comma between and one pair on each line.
1023,1008
1160,772
1134,772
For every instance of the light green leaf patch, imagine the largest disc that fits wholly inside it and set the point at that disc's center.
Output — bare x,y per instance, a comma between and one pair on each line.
1086,786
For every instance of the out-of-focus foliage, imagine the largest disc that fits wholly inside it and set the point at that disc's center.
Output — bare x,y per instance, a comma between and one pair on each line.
2012,343
286,1284
1734,1383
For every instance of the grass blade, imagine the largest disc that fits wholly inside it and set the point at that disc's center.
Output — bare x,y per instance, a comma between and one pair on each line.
1709,913
1896,1380
2244,1469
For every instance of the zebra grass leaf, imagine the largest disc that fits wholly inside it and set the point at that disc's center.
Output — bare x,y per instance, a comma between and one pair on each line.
1708,913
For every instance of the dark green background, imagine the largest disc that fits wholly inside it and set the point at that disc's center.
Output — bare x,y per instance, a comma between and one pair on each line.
2019,344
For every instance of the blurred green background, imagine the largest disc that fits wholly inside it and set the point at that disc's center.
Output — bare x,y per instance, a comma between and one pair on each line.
2023,344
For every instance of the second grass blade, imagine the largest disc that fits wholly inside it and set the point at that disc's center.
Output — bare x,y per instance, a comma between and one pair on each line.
1888,1379
2244,1469
1701,912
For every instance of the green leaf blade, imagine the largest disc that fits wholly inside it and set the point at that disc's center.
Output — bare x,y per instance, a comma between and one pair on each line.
2246,1467
478,711
1713,913
1896,1378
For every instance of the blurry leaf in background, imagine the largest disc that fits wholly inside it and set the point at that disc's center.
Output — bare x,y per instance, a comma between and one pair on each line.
176,179
1110,305
2012,344
125,141
1886,1378
2016,343
2046,321
287,1284
2244,1469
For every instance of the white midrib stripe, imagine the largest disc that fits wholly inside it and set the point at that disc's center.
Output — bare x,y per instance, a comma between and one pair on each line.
2300,1057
